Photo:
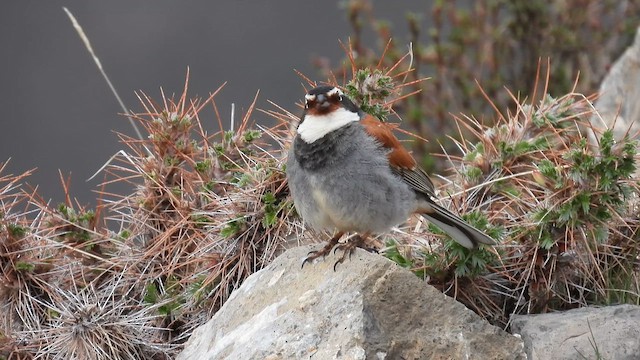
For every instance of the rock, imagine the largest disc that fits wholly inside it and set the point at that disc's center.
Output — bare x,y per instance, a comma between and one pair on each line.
618,104
369,308
575,334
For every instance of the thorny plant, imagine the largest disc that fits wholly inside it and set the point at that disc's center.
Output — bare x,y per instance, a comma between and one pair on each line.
206,211
565,209
576,242
135,277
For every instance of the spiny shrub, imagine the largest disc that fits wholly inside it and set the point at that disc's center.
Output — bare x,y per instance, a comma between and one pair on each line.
559,194
563,208
134,277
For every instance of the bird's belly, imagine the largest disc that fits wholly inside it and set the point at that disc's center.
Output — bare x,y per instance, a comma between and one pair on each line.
371,203
323,210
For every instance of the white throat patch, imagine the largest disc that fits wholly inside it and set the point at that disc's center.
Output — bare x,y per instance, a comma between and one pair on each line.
314,127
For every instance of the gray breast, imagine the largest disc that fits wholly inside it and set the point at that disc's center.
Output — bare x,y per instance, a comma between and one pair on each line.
343,181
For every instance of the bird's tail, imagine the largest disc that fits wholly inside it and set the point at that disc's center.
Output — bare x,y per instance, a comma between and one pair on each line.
463,233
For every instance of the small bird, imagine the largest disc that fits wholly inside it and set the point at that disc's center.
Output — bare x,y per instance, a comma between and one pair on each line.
347,172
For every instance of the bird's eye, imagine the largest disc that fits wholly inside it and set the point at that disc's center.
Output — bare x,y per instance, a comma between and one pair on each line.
335,93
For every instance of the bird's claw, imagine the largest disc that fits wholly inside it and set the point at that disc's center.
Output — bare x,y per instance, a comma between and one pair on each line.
312,255
347,250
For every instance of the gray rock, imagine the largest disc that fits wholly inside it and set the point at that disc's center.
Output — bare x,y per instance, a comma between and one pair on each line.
618,106
575,334
368,309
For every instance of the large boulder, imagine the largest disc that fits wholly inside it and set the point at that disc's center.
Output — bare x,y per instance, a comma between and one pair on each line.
618,106
369,308
611,333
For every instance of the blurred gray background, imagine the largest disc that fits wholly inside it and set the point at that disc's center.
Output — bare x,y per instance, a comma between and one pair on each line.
58,113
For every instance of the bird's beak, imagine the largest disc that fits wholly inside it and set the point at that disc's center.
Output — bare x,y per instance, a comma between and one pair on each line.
322,102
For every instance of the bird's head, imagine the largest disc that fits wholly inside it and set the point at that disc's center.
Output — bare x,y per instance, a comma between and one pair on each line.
326,109
327,99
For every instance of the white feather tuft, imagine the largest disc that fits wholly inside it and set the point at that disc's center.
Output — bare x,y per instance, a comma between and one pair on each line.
314,127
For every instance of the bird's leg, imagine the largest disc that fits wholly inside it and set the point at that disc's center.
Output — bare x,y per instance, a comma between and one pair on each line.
312,255
348,247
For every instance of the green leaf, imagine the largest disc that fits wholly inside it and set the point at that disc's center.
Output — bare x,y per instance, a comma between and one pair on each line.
151,293
232,228
472,173
25,266
16,231
251,135
124,234
203,166
228,136
270,218
269,198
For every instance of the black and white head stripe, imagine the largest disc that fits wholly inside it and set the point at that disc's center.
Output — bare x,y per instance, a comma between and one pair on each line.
327,109
335,92
332,94
323,90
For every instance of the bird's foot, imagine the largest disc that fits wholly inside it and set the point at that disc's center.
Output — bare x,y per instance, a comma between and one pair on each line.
347,249
312,255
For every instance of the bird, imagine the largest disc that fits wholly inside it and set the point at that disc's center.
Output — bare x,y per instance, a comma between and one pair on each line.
348,173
